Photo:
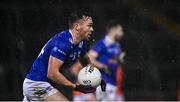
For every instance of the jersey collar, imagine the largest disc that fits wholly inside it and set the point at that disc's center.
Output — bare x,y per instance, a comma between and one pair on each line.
108,41
71,39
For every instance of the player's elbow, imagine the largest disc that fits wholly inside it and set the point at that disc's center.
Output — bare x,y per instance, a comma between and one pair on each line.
51,75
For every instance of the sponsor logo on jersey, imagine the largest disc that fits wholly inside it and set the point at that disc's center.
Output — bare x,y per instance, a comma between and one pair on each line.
60,51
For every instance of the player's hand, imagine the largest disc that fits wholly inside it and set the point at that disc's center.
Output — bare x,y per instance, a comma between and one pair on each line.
122,57
103,85
85,88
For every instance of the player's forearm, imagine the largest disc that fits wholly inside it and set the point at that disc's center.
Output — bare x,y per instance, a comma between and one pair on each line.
76,68
97,64
54,74
92,56
60,79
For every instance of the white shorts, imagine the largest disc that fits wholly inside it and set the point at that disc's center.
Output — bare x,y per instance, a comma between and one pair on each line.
84,97
109,95
37,90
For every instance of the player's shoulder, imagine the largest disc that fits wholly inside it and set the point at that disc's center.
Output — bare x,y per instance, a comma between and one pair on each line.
63,39
99,44
64,36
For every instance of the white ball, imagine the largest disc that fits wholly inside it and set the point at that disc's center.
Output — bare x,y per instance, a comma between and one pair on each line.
89,76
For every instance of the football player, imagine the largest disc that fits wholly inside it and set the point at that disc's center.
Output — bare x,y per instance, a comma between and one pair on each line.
60,51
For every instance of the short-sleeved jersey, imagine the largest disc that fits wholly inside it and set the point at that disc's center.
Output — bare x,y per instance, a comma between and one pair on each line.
108,54
61,47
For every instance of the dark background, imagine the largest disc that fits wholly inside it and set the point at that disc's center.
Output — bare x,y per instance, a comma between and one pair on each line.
152,41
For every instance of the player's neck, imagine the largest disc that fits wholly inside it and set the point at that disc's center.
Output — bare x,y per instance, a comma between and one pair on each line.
75,36
111,38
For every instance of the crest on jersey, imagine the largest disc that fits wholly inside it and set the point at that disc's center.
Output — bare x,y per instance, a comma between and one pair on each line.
71,55
80,44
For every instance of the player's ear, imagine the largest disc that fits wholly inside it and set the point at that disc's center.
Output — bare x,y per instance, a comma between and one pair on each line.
76,26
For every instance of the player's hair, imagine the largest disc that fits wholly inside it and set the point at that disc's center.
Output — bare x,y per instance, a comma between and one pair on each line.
111,24
77,15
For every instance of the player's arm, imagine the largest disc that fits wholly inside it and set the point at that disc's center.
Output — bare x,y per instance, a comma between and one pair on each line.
76,68
92,56
54,74
83,61
57,57
96,50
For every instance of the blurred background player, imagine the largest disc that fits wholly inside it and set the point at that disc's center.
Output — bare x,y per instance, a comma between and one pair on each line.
105,55
61,50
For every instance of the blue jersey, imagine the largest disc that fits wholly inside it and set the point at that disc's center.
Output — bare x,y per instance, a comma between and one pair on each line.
108,54
60,46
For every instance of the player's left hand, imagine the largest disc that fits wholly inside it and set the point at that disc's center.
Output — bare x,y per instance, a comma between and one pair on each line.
85,88
103,85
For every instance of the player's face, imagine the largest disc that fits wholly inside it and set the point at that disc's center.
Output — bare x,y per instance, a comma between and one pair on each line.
86,28
118,33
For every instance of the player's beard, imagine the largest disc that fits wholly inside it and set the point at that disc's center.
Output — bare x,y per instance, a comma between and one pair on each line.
87,36
81,35
117,38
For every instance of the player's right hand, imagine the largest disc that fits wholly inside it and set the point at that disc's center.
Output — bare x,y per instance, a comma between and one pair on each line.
122,57
85,88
